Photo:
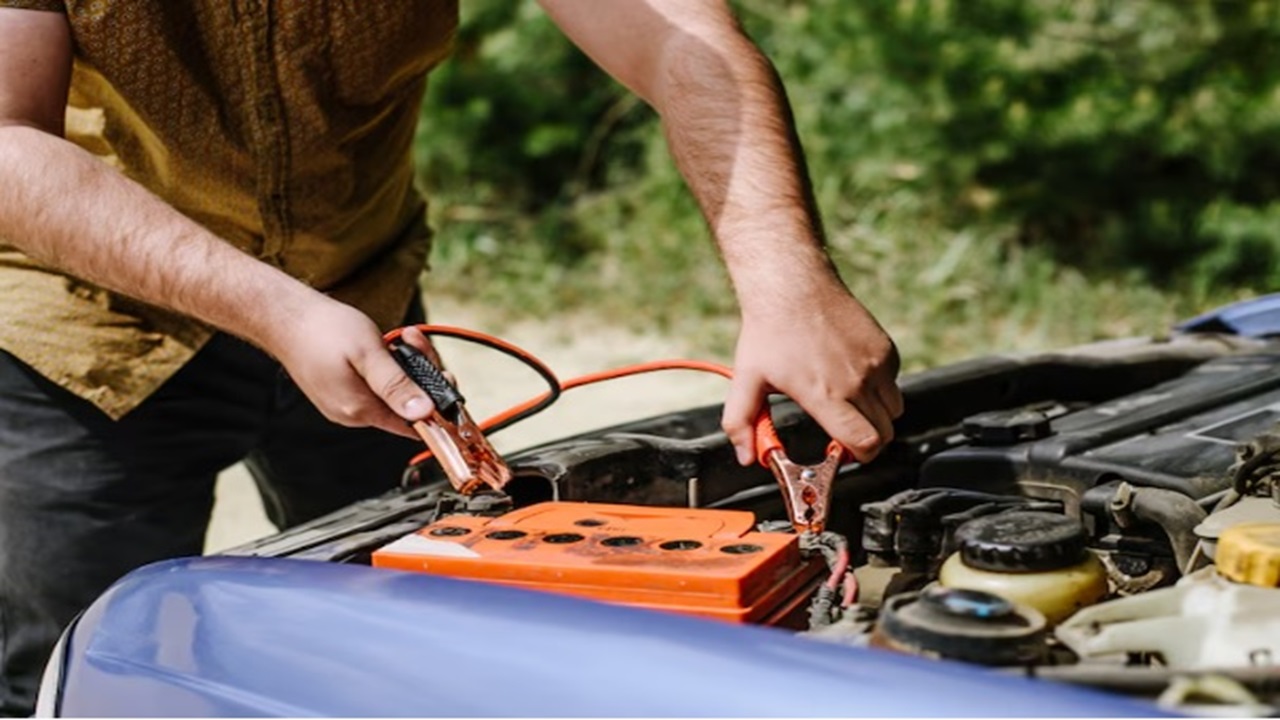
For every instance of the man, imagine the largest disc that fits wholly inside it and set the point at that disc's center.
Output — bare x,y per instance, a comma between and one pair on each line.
195,196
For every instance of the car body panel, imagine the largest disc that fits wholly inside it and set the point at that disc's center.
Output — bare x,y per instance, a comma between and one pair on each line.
1256,318
225,636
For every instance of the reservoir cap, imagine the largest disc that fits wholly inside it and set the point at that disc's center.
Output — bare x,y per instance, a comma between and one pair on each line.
1021,541
969,625
1250,554
1006,427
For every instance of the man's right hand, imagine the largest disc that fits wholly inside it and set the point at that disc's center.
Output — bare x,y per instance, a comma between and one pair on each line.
337,357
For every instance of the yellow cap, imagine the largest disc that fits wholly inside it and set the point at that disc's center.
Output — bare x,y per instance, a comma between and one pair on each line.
1250,553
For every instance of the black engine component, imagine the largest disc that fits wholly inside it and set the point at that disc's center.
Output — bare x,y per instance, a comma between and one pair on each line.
1257,467
968,625
1006,427
915,528
1179,435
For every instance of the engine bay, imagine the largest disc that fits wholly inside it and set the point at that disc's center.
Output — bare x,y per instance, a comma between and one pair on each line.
1106,516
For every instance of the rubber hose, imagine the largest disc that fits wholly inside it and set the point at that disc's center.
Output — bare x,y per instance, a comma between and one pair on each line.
1176,514
820,615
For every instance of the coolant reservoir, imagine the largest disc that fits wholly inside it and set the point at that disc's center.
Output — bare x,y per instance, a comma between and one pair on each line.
1215,619
1037,559
1246,511
1206,621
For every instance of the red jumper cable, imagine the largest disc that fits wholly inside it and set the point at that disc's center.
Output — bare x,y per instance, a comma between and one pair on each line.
472,465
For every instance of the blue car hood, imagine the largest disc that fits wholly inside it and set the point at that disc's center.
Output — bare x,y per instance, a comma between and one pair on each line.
252,637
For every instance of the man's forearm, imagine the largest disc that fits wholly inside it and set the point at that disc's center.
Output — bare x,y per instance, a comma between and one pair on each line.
727,124
730,131
66,208
732,135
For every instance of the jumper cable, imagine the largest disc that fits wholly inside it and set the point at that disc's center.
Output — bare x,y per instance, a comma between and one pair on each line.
472,465
459,445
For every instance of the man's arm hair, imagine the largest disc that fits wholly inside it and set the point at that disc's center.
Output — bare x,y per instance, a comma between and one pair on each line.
727,122
66,208
730,130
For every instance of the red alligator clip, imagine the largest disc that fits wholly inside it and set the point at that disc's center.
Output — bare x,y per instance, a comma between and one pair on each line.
463,451
806,489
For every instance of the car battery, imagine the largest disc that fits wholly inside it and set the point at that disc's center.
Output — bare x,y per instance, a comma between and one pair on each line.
706,563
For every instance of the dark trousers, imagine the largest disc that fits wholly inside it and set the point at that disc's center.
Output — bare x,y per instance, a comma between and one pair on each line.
84,499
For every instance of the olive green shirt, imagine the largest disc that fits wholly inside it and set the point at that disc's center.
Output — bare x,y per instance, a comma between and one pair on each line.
283,126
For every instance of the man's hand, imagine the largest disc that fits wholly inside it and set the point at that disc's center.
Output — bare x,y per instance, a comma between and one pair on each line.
823,349
336,356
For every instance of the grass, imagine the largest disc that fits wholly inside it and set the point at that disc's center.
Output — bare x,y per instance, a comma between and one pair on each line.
942,293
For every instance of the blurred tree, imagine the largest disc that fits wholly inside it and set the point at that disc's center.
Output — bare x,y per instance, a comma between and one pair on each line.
515,122
1144,132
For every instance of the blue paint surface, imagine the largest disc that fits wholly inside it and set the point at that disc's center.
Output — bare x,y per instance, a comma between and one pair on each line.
1257,318
255,636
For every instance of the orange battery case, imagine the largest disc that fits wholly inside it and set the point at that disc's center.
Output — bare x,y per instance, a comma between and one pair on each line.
707,563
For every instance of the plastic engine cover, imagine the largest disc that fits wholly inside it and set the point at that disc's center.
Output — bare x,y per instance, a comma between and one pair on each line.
1180,435
707,563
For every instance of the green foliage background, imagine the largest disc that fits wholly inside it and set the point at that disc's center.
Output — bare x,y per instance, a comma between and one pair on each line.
994,174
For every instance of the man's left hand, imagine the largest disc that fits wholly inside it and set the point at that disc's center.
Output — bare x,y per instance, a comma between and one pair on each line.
823,349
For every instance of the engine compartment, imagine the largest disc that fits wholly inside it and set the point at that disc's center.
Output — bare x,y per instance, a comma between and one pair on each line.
1106,516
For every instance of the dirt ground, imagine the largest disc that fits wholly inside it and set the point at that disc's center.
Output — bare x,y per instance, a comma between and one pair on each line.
571,345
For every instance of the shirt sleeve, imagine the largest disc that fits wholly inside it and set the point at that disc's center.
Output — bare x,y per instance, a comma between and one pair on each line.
46,5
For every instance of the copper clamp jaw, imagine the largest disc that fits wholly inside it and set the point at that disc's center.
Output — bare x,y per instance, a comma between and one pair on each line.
806,489
454,438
